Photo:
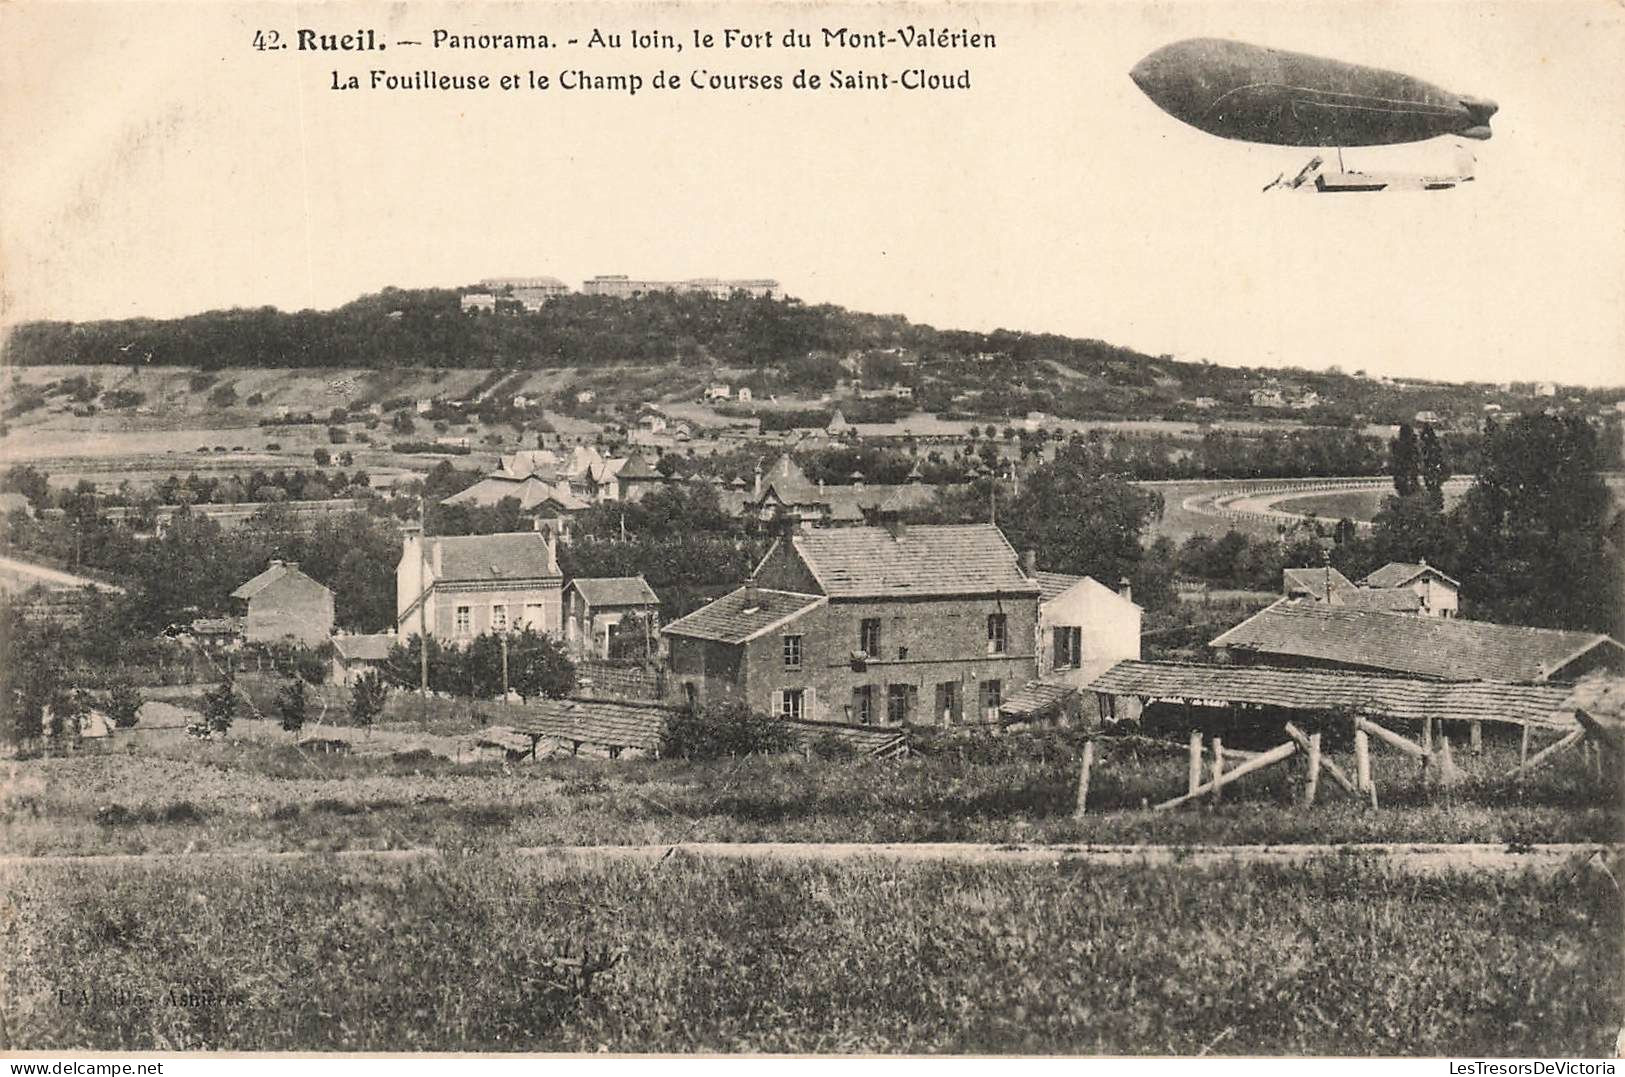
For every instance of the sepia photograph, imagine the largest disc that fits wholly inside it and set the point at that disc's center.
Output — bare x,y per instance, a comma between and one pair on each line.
791,528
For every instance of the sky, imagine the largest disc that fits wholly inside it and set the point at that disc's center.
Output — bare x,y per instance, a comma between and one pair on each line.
152,163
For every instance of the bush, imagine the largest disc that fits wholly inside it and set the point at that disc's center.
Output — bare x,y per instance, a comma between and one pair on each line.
223,397
291,705
220,707
730,729
321,456
367,698
124,704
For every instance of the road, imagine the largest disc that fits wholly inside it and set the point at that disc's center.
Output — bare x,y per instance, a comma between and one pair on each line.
1410,859
52,577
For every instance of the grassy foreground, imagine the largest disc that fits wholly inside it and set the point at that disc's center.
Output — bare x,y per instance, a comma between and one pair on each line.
252,795
462,954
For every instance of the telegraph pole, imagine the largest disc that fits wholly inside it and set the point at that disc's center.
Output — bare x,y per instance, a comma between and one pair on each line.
504,670
423,614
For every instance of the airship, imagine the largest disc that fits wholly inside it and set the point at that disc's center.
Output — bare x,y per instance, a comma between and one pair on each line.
1251,93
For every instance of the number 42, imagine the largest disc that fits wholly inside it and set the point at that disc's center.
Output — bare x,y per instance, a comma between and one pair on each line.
267,39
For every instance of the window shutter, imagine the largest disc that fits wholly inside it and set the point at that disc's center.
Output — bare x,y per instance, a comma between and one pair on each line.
778,702
809,704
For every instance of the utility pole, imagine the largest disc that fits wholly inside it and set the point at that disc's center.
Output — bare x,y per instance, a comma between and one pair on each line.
504,670
423,615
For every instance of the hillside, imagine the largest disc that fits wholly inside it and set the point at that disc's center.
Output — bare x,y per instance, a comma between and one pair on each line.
780,347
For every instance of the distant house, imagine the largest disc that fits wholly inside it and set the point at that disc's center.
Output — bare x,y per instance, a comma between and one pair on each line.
478,301
594,608
1268,398
637,477
652,423
1204,403
1315,583
745,395
356,655
585,396
1428,418
837,424
1438,594
868,625
718,392
283,604
1302,633
423,406
520,400
1546,388
459,587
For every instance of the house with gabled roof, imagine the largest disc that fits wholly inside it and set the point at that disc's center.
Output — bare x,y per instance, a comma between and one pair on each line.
1305,633
456,587
282,605
594,608
1438,595
870,626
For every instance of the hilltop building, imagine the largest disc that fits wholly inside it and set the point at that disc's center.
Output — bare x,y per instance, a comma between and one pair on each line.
623,286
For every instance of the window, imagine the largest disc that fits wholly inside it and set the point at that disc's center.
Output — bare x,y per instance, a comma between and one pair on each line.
863,711
464,623
1068,646
792,652
790,702
995,633
902,654
869,637
947,711
533,615
897,696
992,696
499,618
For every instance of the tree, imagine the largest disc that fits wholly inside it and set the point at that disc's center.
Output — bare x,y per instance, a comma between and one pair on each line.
1541,538
1098,533
220,706
321,456
1404,461
124,704
1434,469
291,705
367,696
538,666
633,639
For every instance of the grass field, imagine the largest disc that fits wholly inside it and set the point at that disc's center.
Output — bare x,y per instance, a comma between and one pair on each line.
464,954
255,793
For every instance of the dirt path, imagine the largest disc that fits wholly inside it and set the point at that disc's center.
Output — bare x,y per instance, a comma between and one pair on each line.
1412,859
53,576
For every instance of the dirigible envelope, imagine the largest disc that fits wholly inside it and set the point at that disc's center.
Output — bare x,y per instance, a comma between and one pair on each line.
1257,94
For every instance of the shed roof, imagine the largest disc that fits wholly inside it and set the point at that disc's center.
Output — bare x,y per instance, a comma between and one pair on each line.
1372,694
601,591
1036,698
1445,648
928,560
373,648
741,615
609,723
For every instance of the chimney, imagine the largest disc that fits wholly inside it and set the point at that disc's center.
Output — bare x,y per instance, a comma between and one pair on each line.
1029,563
1126,588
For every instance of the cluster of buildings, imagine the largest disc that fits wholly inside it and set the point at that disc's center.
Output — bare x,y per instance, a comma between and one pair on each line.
532,293
547,483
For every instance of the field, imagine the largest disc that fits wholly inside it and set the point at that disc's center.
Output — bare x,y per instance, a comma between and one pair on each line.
472,953
257,791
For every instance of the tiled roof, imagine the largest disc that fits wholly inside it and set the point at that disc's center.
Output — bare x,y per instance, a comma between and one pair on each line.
1371,694
1440,647
1399,573
609,723
615,591
637,467
275,574
1313,581
516,555
1052,585
743,615
950,559
530,492
373,648
1391,599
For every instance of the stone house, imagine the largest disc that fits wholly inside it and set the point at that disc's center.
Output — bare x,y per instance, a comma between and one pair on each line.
283,605
594,608
459,587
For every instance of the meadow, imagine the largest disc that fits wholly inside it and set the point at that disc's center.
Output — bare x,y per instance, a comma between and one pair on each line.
265,793
482,952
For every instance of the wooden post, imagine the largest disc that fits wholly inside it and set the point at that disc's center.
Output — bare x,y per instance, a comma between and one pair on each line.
1362,760
1475,737
1343,781
1568,741
1311,783
1427,735
1218,769
1083,778
1193,776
